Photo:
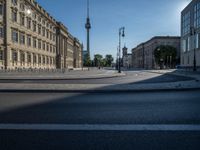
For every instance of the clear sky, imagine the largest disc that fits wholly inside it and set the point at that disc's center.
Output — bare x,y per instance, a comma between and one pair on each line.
143,19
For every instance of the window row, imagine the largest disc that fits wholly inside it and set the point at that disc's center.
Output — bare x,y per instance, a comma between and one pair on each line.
190,43
32,58
35,16
186,23
1,9
197,15
21,38
32,25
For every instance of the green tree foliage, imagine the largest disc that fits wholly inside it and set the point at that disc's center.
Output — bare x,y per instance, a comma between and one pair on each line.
98,60
87,61
108,60
165,55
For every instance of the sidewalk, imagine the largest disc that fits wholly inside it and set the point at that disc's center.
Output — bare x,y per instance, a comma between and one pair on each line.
178,72
169,86
69,75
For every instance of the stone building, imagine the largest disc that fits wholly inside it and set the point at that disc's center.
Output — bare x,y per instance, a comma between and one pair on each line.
190,18
69,49
127,58
143,54
29,38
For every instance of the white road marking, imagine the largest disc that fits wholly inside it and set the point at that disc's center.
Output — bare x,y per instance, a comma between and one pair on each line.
100,127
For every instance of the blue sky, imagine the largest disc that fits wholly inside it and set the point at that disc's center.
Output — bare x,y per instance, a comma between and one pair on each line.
143,19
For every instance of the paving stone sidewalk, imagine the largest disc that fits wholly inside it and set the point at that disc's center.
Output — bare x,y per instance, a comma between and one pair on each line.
181,85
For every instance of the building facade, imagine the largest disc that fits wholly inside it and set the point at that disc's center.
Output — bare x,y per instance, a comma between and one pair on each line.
127,58
190,43
29,37
143,54
69,49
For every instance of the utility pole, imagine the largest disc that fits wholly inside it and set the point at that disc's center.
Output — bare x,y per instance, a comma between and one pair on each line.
121,33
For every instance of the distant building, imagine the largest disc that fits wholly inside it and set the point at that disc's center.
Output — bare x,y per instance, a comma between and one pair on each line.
127,58
190,18
84,55
143,54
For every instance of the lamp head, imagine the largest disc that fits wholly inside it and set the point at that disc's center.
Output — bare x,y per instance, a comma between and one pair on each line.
123,32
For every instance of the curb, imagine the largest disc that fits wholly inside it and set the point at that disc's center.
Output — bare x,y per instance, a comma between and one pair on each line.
56,78
96,91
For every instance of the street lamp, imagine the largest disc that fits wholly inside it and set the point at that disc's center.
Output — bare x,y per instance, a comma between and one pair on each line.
121,34
193,33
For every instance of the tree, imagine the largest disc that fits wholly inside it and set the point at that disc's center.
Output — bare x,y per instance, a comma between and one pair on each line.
109,59
165,56
87,61
98,60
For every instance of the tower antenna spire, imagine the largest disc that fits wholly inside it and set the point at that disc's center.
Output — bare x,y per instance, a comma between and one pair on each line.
88,27
88,8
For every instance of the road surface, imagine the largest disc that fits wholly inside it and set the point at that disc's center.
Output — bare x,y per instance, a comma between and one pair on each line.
97,121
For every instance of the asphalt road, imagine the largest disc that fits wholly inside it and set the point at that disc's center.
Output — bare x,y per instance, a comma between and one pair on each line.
114,109
132,77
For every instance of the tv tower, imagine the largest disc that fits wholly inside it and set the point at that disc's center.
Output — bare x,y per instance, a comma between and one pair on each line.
88,27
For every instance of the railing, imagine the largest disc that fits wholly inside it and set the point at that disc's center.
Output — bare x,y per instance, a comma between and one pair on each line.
39,71
30,70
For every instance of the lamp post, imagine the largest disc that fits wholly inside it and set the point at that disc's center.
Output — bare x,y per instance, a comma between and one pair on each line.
121,34
193,33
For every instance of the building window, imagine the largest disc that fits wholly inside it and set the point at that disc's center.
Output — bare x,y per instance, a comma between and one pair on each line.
1,9
197,15
184,45
43,31
47,60
44,61
54,49
51,61
22,38
34,26
47,47
22,19
22,57
1,55
34,43
47,25
51,36
34,15
22,7
14,2
29,58
1,32
54,37
15,36
14,55
29,23
39,44
39,59
14,16
197,41
34,59
47,34
43,46
29,40
39,19
186,23
39,29
188,44
51,48
43,22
